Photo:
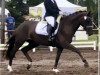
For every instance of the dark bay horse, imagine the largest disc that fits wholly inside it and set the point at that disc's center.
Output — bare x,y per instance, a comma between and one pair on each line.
67,28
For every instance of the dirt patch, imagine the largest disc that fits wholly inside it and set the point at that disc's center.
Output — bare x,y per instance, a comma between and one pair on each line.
43,61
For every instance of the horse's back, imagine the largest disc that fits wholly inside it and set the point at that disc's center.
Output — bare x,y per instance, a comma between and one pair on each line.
25,28
27,25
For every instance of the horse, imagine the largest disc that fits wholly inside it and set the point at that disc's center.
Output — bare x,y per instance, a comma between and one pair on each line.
67,27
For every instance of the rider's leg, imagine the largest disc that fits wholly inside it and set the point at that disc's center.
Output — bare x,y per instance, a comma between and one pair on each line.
56,25
50,27
49,30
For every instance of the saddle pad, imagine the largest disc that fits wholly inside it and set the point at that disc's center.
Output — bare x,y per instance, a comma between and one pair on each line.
41,27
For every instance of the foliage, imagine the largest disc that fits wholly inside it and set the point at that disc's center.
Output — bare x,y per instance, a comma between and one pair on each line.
34,2
18,9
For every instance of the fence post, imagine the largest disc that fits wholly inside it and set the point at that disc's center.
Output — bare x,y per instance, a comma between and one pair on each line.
3,21
2,27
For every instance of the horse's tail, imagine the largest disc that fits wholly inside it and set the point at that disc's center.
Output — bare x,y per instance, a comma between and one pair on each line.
10,43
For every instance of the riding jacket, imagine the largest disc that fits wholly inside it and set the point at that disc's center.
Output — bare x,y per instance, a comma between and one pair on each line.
51,8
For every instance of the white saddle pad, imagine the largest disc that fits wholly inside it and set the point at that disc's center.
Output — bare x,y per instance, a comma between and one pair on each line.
41,28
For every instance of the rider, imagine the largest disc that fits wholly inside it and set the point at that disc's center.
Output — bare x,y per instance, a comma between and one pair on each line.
52,12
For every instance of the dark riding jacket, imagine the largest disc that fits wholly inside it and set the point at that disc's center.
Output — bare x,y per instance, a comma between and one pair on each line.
51,8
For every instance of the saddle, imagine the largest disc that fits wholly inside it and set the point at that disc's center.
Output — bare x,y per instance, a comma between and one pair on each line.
41,27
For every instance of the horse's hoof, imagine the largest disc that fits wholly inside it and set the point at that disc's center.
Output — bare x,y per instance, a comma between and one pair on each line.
56,70
86,65
9,68
28,67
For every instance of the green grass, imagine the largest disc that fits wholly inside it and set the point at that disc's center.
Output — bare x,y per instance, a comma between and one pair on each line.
93,37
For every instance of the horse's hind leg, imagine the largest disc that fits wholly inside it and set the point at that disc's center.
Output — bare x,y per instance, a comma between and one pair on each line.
25,50
12,55
14,44
74,49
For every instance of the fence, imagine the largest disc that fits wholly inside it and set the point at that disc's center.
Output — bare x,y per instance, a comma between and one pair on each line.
82,44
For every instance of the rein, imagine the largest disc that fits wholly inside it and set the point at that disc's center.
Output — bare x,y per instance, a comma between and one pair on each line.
89,26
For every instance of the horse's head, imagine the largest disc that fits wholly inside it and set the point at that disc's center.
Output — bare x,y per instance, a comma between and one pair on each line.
86,22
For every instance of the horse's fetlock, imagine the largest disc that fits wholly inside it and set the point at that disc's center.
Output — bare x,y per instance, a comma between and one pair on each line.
84,61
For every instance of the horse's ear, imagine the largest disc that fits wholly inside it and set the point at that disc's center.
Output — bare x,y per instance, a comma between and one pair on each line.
89,14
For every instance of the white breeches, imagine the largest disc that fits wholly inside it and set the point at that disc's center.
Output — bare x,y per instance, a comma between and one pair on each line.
50,20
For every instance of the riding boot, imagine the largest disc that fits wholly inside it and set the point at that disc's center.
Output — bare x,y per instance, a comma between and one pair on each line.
49,30
55,26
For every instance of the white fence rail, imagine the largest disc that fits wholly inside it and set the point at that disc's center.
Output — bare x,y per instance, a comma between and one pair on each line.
87,44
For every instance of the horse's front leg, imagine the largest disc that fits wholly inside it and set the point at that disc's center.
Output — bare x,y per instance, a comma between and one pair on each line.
74,49
59,51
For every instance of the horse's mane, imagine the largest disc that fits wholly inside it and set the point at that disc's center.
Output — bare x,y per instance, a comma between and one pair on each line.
73,14
77,12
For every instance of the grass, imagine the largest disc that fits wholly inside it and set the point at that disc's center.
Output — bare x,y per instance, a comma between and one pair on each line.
93,37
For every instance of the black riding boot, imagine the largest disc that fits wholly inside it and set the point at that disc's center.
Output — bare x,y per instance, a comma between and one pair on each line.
55,26
49,30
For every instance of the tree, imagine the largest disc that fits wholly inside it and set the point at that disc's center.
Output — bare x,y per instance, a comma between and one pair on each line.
18,8
34,2
0,2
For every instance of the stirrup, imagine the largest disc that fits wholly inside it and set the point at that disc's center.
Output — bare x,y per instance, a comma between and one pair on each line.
51,38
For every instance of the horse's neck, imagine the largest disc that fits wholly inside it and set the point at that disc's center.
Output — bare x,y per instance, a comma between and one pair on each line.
70,26
76,22
75,25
